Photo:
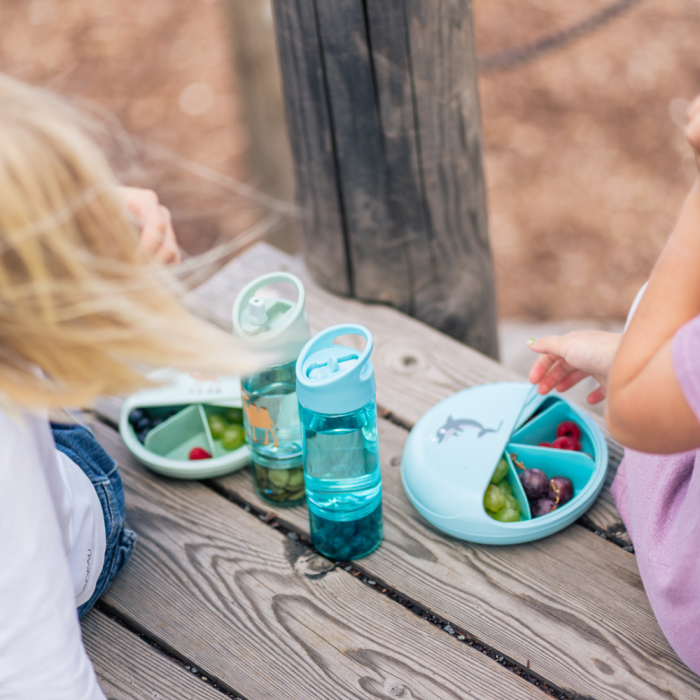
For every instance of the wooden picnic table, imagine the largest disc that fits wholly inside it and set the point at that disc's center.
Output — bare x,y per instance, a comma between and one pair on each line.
225,596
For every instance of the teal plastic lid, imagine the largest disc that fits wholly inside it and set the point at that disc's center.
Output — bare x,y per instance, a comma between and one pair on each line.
334,379
452,452
281,324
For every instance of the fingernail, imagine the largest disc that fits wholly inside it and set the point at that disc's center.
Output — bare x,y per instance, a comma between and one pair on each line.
531,341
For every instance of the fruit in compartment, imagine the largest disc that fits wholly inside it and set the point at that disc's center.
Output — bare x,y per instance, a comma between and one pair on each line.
217,425
501,471
233,437
566,443
542,506
535,482
507,515
569,429
234,415
568,437
545,495
499,502
494,499
199,453
561,490
143,420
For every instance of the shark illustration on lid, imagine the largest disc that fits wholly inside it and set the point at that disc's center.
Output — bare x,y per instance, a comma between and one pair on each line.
456,426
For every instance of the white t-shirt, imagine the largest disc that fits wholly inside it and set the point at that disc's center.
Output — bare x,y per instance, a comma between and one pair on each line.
52,546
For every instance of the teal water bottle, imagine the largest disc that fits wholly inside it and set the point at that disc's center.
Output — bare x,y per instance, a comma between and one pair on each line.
270,409
336,392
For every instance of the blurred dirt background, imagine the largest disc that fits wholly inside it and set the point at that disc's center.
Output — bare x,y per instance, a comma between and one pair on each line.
586,163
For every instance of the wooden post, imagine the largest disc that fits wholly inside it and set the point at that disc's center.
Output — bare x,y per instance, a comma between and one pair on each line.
383,115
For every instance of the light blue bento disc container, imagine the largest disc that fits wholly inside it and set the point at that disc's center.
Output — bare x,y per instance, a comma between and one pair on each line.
452,453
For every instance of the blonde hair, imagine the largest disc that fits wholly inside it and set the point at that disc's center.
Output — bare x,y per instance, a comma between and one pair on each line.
83,312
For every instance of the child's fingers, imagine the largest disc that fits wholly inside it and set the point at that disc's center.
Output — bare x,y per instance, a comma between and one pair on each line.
556,375
597,395
571,379
541,367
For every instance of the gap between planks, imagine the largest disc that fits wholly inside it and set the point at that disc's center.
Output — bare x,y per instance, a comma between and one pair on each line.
412,585
253,612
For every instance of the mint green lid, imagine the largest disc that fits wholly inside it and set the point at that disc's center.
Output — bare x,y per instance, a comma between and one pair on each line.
280,324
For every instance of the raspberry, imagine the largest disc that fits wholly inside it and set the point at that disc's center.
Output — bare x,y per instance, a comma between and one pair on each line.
544,444
199,453
566,443
569,429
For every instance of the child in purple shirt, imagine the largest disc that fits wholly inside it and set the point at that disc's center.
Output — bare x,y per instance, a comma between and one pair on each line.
651,376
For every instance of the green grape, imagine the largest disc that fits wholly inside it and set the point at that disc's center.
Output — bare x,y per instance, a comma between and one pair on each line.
233,437
494,499
512,503
506,487
234,415
217,425
507,515
501,471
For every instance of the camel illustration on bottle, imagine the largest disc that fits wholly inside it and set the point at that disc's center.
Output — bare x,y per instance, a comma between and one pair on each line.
258,418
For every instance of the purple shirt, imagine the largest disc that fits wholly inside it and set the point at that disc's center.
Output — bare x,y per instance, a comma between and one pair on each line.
658,497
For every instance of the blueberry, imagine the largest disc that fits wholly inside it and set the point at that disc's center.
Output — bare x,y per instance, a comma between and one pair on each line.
142,436
157,421
135,416
143,424
357,543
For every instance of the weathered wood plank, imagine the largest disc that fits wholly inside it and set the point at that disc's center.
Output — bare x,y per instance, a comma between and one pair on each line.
571,605
130,669
311,139
415,365
262,614
400,108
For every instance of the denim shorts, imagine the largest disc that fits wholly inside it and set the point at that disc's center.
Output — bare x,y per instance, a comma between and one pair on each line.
79,445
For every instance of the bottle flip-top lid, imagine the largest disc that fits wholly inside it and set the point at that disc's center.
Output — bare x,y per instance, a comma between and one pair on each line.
281,324
334,379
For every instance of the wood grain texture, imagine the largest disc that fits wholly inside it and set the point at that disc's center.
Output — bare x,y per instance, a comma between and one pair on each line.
260,613
130,669
311,140
572,605
392,93
416,366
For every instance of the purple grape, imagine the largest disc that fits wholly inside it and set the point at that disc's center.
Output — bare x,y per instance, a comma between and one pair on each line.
562,487
535,482
541,506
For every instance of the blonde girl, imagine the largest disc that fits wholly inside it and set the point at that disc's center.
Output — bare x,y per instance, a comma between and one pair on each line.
85,305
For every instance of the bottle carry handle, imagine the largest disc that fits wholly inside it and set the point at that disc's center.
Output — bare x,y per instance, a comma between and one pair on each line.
326,338
252,288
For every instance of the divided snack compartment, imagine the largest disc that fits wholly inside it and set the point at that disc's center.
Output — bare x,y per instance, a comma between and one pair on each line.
167,446
577,466
452,452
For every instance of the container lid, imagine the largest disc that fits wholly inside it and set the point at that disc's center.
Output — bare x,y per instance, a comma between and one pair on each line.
452,452
281,324
334,379
185,400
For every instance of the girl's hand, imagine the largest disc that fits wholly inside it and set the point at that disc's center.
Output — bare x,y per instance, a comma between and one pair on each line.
565,360
153,220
